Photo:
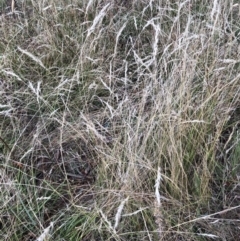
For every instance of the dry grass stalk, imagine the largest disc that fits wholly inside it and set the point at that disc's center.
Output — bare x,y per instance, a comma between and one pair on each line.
158,206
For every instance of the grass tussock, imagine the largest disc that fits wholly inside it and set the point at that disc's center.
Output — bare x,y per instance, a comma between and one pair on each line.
119,120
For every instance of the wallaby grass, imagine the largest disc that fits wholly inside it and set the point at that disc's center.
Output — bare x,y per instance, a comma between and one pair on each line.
119,120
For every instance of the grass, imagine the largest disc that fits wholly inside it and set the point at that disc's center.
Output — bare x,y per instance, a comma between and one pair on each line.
119,120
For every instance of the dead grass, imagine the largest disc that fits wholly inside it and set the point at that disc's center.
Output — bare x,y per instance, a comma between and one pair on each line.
119,120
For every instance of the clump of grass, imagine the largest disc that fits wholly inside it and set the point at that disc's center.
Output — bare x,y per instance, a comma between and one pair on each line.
119,121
